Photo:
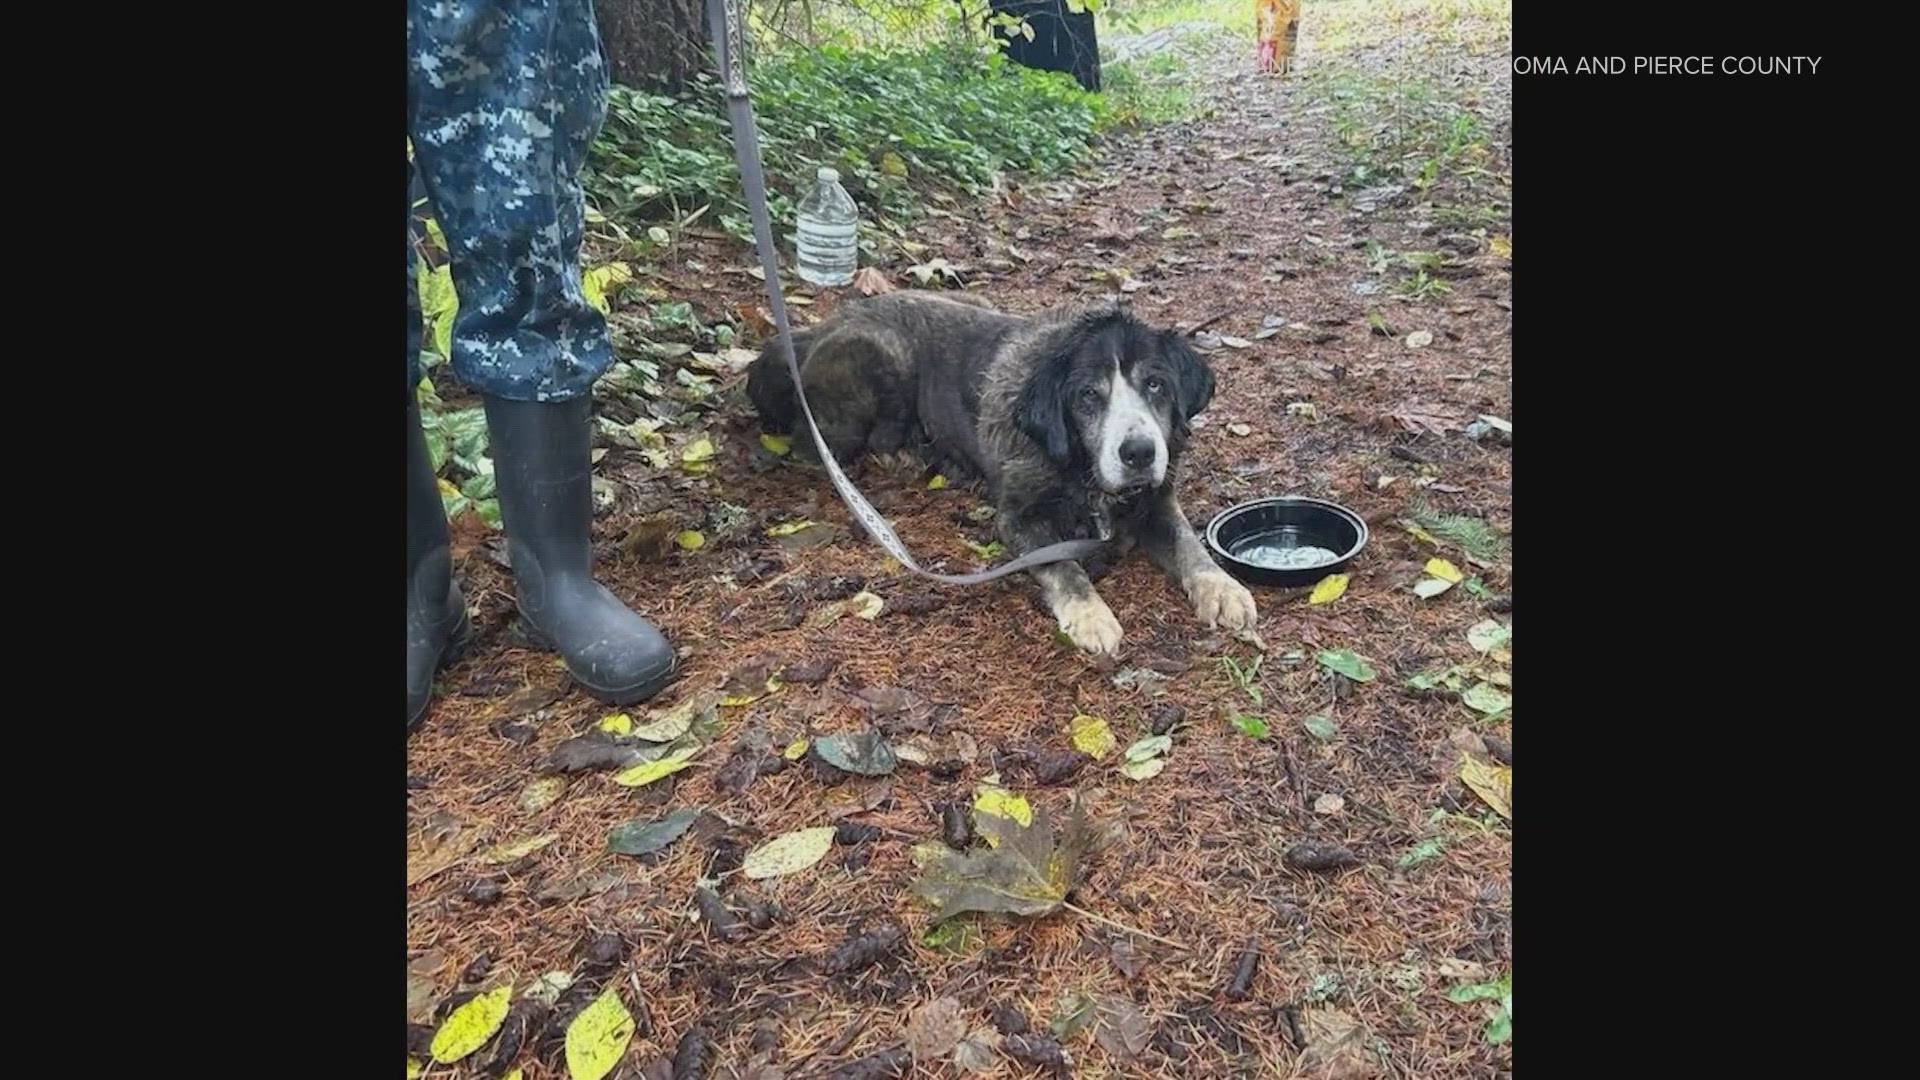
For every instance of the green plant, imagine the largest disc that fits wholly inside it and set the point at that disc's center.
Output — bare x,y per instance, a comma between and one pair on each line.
1500,991
1243,676
1469,534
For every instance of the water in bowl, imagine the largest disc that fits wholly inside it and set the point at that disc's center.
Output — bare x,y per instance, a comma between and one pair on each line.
1281,549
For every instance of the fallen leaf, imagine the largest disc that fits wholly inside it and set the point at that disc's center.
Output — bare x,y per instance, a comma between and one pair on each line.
1338,1047
469,1027
597,1039
1445,570
647,772
866,605
938,483
870,281
1119,1027
1502,246
1488,635
646,837
1321,727
1419,339
1428,588
501,854
1493,783
1482,697
691,540
1329,804
1241,430
1071,1013
777,445
542,792
934,1029
1348,663
789,528
993,801
1232,342
1023,872
979,1051
698,455
550,986
788,853
1252,727
414,1069
865,753
1143,770
617,724
1417,417
1091,736
1331,588
437,857
1149,748
796,749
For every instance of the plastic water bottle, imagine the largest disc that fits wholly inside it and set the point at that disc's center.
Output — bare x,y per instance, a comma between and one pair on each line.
829,238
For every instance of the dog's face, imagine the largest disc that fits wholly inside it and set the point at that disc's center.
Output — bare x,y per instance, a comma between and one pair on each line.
1114,400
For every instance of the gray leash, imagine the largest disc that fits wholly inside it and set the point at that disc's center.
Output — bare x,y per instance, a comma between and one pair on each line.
727,21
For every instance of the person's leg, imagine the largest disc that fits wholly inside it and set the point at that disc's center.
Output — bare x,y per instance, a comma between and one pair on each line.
437,626
504,101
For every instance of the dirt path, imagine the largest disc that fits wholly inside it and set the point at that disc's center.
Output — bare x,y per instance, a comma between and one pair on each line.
1249,220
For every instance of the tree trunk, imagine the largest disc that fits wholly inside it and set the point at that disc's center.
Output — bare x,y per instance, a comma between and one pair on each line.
1062,41
658,44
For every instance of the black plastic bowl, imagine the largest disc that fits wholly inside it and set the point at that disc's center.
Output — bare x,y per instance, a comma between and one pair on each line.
1286,521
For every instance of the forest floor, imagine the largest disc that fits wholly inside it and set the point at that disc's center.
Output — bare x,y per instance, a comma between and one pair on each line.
1340,241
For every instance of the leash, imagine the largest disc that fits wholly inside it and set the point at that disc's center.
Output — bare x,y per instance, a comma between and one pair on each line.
727,21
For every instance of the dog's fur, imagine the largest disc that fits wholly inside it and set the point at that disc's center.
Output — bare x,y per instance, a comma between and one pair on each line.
1041,410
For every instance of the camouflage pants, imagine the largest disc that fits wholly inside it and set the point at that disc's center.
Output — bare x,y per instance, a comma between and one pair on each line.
503,99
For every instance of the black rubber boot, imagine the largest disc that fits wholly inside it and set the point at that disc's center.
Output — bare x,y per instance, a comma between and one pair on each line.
437,625
541,464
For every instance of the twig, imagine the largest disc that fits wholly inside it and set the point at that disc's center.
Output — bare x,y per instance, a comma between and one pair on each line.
1103,920
1209,321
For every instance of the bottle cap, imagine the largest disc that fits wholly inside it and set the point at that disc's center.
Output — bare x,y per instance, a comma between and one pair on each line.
828,176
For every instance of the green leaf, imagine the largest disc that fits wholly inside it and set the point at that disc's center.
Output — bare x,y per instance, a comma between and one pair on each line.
1321,727
1251,726
1348,663
788,853
1024,871
647,837
1489,634
1482,697
597,1039
864,753
1149,748
1425,851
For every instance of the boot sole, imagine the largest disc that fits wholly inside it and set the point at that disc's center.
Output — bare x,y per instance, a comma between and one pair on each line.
455,649
605,695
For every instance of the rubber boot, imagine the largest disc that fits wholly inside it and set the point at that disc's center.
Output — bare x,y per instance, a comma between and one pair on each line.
437,624
541,466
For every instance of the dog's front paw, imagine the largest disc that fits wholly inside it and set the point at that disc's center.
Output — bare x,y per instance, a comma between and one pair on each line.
1090,625
1221,601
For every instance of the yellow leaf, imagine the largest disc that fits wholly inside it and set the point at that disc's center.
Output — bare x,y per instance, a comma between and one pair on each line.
698,451
866,605
414,1068
597,1039
891,165
469,1027
447,489
1491,782
938,483
999,802
1091,736
1445,571
501,854
1330,589
778,445
648,771
691,540
789,528
517,1074
1502,246
788,853
796,749
1423,535
617,724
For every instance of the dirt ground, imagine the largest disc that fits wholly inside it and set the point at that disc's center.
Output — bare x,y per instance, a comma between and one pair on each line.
1247,219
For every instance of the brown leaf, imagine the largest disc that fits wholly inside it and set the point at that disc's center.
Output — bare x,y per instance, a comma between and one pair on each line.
934,1029
1337,1047
871,281
1126,957
1119,1027
1024,873
1418,416
979,1051
593,751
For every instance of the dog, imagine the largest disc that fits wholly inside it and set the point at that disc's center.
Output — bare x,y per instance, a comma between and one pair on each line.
1075,421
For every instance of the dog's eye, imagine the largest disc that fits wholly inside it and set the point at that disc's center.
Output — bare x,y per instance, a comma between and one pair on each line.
1155,386
1089,396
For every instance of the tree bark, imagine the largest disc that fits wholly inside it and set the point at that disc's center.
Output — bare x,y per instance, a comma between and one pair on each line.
658,44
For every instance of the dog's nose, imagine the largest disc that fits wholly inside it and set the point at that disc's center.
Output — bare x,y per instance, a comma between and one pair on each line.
1136,452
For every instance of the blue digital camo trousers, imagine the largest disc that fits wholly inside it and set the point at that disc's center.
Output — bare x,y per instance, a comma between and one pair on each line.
503,99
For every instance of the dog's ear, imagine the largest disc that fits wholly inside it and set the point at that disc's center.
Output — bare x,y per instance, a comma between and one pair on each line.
1041,411
1192,378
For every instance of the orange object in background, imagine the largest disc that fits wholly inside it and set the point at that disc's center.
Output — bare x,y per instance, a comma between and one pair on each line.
1277,27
